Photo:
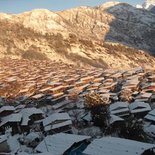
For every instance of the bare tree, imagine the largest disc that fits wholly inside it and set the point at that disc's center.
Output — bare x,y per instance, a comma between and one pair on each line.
98,108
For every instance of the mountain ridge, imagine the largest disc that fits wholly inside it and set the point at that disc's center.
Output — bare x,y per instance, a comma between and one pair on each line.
79,35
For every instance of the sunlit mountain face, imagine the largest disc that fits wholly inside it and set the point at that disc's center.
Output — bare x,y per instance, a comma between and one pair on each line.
98,36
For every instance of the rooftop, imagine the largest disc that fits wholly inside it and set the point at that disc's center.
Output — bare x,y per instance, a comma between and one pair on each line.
57,144
116,146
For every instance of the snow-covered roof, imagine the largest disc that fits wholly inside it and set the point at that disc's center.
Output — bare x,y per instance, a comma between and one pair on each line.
58,125
153,96
149,85
3,138
123,110
25,153
37,96
13,144
54,117
11,118
137,107
114,118
150,130
116,146
27,112
119,107
32,136
152,112
134,81
20,106
7,108
57,144
95,84
151,115
144,95
60,104
141,100
151,77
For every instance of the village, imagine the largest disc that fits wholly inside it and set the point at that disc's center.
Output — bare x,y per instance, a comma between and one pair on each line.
55,108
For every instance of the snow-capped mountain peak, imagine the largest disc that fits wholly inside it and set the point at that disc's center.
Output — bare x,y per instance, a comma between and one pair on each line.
109,4
148,4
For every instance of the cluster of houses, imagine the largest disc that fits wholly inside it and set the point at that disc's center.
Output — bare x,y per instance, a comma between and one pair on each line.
43,108
24,79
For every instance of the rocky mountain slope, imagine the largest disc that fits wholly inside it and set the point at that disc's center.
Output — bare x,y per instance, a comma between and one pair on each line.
101,36
134,27
152,9
148,5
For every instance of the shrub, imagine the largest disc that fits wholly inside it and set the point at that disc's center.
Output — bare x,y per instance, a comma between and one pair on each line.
34,55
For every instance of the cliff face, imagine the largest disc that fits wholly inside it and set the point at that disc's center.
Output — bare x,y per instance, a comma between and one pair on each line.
98,36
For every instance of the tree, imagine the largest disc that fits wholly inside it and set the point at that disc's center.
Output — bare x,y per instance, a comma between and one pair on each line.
74,95
126,95
133,129
94,99
149,151
98,107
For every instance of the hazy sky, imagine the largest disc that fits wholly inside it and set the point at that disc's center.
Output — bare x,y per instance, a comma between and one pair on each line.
17,6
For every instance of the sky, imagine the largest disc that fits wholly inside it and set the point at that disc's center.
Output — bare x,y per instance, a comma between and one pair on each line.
18,6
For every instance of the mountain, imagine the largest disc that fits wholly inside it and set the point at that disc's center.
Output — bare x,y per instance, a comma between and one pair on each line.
133,27
110,35
148,4
153,9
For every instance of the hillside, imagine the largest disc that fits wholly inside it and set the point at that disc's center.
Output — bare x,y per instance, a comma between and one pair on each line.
102,36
